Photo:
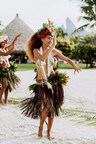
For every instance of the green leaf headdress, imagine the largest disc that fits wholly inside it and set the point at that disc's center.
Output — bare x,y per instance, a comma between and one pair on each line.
47,29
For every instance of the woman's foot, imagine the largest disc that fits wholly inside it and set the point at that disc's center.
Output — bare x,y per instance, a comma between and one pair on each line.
2,103
40,132
6,102
49,136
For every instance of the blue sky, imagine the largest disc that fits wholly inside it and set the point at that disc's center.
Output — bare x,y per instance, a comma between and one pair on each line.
36,12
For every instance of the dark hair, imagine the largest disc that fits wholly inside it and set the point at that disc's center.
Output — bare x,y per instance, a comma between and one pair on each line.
0,45
31,44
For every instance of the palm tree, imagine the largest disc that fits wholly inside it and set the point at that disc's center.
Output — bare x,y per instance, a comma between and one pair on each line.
89,9
1,31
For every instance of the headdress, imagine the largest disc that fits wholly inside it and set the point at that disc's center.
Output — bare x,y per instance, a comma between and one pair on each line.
4,39
47,29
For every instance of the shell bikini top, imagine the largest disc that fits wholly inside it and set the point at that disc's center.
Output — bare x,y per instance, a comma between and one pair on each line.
3,58
41,64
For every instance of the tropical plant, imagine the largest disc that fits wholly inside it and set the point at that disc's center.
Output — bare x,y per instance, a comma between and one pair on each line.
84,52
1,32
88,7
60,32
65,46
85,40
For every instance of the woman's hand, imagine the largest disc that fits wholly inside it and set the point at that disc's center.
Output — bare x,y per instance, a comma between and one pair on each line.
15,40
49,21
54,40
77,69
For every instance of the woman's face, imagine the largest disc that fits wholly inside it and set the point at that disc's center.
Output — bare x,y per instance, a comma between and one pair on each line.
47,40
3,44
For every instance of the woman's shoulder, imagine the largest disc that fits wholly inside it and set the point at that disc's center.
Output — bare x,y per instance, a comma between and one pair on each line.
36,50
56,51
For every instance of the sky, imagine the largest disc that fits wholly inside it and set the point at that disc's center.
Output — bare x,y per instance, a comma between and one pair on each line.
36,12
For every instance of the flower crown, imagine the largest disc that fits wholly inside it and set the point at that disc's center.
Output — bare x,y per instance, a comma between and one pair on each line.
4,39
47,29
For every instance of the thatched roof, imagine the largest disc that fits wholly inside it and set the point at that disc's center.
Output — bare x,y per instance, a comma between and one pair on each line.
15,27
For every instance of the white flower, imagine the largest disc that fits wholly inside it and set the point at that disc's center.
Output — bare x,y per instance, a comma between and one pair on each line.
3,38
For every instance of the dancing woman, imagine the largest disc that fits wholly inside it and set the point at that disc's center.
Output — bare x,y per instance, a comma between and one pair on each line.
8,79
41,49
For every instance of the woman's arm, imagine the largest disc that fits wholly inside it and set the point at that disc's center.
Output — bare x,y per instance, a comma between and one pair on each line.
10,48
59,54
8,52
45,55
14,42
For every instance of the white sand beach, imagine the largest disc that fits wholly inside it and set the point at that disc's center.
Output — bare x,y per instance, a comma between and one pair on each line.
80,94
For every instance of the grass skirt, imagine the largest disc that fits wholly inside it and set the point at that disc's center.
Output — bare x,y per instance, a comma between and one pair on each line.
32,107
7,75
58,96
58,80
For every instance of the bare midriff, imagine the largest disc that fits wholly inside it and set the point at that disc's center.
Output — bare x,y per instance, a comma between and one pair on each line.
6,63
42,74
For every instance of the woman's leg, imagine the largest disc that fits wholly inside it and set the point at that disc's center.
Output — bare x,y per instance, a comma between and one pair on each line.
50,122
6,95
1,94
43,116
4,86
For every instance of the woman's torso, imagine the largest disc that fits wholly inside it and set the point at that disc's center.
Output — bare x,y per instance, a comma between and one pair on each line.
4,60
44,68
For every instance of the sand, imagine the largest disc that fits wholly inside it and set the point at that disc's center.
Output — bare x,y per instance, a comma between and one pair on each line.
80,94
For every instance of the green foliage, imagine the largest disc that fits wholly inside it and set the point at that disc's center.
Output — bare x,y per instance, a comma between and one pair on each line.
9,75
65,46
88,7
60,32
75,39
45,26
85,52
1,32
58,78
31,87
5,72
85,40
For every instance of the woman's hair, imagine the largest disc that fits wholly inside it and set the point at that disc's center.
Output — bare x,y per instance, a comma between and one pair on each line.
0,45
31,44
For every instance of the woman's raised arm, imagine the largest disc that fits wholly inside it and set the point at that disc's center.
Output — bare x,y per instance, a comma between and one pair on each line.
2,53
44,56
14,42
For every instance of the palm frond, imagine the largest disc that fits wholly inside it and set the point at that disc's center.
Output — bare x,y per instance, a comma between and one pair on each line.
85,18
89,2
80,28
88,10
94,24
